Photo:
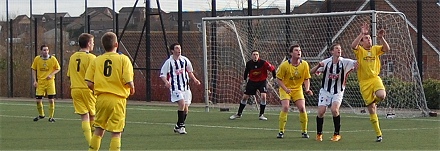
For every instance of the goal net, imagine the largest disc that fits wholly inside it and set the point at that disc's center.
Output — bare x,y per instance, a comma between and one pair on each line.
228,42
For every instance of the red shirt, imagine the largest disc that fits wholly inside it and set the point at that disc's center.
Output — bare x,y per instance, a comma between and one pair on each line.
257,71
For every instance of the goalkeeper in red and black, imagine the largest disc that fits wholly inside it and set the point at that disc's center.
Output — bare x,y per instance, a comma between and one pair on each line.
255,79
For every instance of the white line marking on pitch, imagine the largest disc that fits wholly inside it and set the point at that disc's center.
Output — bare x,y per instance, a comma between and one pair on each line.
66,104
233,127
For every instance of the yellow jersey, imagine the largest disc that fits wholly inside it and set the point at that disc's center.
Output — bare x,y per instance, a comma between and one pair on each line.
293,77
44,67
369,62
78,64
110,72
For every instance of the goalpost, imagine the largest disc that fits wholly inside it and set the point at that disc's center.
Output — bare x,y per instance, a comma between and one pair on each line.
228,42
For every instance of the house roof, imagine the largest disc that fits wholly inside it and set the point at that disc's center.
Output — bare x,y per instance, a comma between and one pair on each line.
37,16
21,19
93,11
343,5
58,15
70,19
191,47
430,15
128,9
190,15
430,11
244,12
310,6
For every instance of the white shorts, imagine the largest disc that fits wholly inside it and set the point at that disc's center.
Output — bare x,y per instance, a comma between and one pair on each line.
326,98
181,95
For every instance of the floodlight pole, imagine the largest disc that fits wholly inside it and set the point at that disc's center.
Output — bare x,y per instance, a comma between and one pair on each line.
114,15
288,25
9,49
420,39
179,23
30,48
85,17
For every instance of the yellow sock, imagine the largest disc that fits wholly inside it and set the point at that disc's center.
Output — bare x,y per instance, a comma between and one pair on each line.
92,128
375,121
303,120
86,130
282,121
40,108
95,143
51,109
115,144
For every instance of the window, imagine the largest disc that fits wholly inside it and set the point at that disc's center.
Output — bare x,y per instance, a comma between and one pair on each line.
185,25
390,68
199,26
414,69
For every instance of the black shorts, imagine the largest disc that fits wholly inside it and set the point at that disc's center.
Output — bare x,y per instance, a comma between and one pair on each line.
252,87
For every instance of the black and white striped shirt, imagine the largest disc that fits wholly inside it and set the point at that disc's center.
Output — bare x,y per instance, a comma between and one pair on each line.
334,75
176,72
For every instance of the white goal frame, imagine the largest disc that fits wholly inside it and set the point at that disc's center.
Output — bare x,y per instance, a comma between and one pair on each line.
423,107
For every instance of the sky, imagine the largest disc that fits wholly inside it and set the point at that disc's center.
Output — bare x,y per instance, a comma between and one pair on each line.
76,7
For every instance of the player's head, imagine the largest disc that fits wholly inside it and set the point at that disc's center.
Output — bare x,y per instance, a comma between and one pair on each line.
86,41
336,50
109,41
175,48
44,51
255,55
366,41
295,51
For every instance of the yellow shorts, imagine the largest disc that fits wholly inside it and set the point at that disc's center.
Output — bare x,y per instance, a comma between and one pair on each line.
294,95
369,87
110,112
45,87
83,101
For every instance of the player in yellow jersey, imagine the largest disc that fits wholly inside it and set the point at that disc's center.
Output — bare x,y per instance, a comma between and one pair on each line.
291,75
110,75
371,86
44,69
83,98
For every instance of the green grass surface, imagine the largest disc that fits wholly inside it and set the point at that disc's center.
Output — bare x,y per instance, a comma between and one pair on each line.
151,128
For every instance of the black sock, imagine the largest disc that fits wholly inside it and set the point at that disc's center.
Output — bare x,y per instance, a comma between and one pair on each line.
240,109
262,108
319,123
180,118
184,117
337,124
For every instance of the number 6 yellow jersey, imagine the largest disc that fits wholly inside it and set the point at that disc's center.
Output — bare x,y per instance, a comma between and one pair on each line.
110,72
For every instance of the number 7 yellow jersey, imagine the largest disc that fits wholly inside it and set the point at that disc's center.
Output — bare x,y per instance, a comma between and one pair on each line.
110,72
78,64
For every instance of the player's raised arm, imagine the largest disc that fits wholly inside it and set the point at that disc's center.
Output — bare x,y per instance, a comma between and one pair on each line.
364,31
315,68
385,45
